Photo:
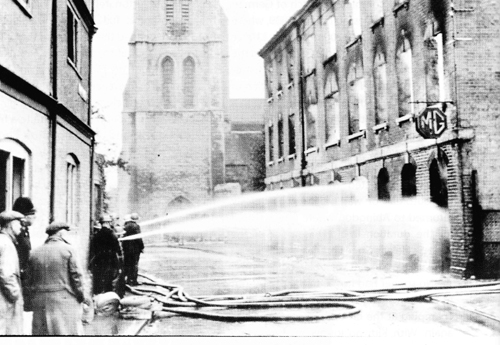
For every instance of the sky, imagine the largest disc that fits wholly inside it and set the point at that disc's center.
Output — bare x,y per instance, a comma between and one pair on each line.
252,23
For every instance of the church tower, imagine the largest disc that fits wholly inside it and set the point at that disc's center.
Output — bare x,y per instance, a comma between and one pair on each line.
175,105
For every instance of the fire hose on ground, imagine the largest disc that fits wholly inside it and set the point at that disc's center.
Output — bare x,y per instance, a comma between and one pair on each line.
173,299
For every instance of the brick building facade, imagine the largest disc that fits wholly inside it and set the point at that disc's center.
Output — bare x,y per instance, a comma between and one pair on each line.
175,105
46,143
346,81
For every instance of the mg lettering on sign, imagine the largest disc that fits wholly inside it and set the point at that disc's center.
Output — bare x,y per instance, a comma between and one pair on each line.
431,123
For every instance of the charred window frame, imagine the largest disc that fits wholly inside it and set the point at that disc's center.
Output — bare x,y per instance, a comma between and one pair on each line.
380,88
404,69
356,99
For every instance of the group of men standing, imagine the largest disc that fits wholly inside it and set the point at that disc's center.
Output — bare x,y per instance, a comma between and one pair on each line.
113,263
49,280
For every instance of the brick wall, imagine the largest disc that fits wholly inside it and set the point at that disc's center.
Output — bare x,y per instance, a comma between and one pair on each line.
468,96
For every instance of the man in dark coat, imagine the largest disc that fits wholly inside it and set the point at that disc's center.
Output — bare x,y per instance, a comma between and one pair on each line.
107,260
54,285
25,206
132,249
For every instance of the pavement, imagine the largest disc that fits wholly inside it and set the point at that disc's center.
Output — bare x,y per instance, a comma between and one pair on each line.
484,305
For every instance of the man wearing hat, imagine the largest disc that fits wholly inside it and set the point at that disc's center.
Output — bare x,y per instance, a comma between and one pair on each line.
11,299
54,285
132,249
25,206
107,260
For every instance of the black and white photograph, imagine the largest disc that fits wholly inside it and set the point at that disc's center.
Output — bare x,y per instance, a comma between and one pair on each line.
225,170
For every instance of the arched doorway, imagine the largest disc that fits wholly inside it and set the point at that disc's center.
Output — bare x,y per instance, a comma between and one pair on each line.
383,185
178,203
409,180
438,179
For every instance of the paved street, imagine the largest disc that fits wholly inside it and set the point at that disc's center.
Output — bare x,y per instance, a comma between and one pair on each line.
213,269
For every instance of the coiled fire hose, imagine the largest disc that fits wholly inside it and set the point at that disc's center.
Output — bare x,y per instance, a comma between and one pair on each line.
175,300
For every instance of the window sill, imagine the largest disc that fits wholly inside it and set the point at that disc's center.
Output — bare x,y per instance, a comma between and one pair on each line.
380,127
279,94
406,118
353,42
399,7
26,8
270,164
281,160
72,64
377,23
332,144
292,157
361,133
289,86
310,73
330,59
270,99
311,150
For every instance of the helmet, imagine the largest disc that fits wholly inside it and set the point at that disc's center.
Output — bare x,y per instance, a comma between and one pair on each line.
134,216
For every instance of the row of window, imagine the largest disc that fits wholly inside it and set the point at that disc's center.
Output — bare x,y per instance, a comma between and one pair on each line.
355,84
15,178
438,185
188,82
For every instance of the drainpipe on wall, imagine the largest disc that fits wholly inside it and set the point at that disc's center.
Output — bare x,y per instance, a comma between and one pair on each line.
53,112
92,147
303,162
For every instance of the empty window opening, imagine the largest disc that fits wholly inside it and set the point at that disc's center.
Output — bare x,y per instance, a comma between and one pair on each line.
357,99
405,78
332,107
380,88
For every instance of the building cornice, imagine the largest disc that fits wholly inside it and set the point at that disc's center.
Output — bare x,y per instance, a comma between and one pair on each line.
288,26
85,14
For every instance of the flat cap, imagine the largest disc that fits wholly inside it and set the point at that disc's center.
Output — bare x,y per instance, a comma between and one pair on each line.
56,226
8,216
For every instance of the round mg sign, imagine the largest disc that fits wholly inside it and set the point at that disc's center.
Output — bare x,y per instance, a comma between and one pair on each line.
431,123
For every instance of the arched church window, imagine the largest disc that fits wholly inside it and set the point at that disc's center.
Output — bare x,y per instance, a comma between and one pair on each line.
168,80
188,82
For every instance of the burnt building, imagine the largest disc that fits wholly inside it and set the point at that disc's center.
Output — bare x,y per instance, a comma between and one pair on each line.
46,143
401,93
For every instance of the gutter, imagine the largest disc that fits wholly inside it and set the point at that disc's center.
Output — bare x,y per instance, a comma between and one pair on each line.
53,112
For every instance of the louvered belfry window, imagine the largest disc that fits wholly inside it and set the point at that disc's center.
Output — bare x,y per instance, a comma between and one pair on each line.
177,17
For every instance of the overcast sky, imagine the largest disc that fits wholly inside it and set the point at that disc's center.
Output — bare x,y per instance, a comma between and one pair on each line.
252,23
